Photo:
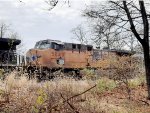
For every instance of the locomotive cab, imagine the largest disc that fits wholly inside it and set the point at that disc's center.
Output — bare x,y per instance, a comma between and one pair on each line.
46,53
46,44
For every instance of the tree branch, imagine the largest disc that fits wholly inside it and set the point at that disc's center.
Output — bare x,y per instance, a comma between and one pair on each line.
73,97
145,21
71,106
131,23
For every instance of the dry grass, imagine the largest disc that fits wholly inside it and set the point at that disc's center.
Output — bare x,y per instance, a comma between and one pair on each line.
19,95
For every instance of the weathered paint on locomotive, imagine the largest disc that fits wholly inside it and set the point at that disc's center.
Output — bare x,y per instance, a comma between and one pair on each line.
50,58
70,57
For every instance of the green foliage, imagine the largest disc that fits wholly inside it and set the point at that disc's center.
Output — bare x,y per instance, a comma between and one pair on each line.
133,83
88,73
2,92
41,97
106,84
34,109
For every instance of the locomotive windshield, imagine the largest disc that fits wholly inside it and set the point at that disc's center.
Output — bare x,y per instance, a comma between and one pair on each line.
42,45
47,44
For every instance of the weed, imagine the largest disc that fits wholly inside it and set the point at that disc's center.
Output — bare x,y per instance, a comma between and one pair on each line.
88,74
21,95
106,84
139,80
2,76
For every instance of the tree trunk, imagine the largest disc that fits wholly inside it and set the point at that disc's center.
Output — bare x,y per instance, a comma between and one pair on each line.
145,44
144,41
147,67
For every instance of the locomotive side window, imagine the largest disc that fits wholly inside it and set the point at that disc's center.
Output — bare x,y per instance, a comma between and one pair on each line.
42,45
89,48
79,46
57,46
73,46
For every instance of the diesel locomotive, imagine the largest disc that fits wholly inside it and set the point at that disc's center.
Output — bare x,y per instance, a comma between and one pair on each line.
49,56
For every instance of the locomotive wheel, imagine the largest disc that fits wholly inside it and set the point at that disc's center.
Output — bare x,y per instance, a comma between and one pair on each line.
73,74
78,75
31,72
70,74
50,74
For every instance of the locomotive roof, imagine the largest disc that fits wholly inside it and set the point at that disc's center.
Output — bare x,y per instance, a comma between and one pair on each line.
7,43
60,42
120,52
78,44
8,40
49,40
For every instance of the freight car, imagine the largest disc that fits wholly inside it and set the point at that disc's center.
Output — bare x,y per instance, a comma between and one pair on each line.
9,59
50,56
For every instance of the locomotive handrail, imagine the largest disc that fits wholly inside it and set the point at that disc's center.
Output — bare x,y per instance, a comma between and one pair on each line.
10,51
7,51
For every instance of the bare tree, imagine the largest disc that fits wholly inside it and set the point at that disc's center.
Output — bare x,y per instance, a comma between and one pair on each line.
3,29
143,40
80,34
53,3
7,32
129,18
105,35
138,48
20,48
130,42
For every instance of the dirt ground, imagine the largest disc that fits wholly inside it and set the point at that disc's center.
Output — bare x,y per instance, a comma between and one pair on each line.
118,99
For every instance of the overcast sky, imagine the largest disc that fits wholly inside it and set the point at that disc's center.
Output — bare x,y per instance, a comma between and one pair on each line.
33,22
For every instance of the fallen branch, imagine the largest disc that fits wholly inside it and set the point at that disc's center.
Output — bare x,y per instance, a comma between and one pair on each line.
66,100
81,93
144,101
71,106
